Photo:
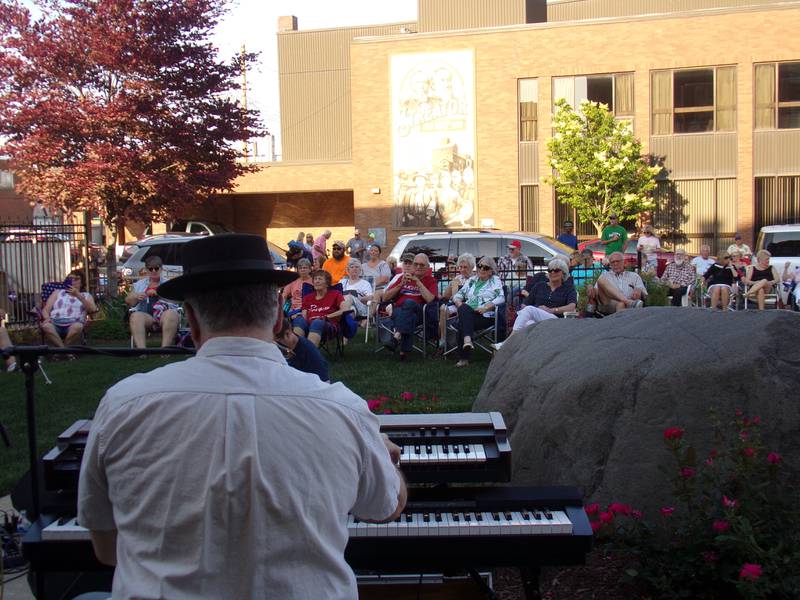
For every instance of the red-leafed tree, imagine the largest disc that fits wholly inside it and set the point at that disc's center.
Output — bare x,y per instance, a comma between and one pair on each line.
120,107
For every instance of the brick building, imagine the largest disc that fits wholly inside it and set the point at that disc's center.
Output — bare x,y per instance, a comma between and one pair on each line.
444,121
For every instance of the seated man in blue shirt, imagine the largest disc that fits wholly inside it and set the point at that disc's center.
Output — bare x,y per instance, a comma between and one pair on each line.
568,238
300,353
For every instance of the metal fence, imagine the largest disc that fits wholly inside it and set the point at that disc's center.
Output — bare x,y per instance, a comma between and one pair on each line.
32,255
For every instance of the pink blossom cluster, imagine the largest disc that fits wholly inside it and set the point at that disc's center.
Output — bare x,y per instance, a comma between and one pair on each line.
385,405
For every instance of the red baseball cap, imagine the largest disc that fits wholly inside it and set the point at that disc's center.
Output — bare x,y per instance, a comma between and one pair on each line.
515,244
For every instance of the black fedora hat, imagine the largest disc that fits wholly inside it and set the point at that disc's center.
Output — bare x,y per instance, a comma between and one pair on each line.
221,261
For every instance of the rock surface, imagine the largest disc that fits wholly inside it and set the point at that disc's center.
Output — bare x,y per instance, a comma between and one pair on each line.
587,400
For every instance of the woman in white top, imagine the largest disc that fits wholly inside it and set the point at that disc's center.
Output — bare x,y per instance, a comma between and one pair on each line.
357,291
65,312
375,270
648,245
465,267
476,303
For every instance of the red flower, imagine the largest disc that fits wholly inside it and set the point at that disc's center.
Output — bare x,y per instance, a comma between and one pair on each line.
667,511
743,435
748,452
774,458
619,509
746,422
710,556
728,502
374,404
407,396
687,472
606,517
709,461
424,397
673,433
595,525
756,420
738,412
636,514
721,526
713,453
592,509
750,571
388,411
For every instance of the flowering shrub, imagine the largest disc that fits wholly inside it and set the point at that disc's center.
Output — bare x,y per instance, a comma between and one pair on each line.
406,402
734,528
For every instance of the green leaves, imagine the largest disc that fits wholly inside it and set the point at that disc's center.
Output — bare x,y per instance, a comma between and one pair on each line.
597,164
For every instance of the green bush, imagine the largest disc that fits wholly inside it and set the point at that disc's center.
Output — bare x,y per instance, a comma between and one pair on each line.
657,292
732,532
108,329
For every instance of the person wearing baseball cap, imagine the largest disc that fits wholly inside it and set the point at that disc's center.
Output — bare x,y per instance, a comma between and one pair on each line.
336,265
739,246
613,236
229,443
509,265
566,237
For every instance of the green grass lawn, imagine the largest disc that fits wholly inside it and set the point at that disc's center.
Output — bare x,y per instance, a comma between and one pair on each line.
78,386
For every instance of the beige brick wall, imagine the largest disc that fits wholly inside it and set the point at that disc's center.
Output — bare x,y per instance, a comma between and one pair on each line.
502,57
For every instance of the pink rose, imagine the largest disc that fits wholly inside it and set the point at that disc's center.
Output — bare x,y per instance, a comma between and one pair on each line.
592,509
407,396
738,412
687,472
374,404
595,525
721,526
748,452
756,420
709,461
713,453
728,502
606,517
746,422
619,509
750,572
667,511
774,458
743,435
673,433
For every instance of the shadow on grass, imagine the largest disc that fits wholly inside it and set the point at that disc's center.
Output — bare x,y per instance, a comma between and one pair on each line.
79,385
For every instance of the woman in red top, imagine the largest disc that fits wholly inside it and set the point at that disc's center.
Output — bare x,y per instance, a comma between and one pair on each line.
321,308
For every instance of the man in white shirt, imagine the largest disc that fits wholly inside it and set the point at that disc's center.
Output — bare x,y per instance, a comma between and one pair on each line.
619,289
702,262
739,246
230,474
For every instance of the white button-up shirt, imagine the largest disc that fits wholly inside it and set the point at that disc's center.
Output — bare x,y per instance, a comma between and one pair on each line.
231,475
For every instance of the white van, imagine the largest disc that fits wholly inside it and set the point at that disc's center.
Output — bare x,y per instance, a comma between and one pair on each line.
783,242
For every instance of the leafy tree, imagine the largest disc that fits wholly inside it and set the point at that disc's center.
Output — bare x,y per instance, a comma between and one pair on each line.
598,164
120,107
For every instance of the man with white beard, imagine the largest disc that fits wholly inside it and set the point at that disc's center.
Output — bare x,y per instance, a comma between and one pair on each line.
678,275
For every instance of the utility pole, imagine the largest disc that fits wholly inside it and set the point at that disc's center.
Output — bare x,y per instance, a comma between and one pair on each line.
244,95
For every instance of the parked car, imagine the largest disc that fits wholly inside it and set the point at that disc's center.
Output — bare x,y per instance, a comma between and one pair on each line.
198,226
631,255
783,242
169,247
438,245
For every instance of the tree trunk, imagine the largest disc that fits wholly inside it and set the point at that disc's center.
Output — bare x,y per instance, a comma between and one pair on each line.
112,287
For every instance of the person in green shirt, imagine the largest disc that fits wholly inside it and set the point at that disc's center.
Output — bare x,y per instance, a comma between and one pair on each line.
614,236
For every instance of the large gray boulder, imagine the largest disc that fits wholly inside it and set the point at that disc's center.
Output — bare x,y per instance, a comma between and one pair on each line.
587,400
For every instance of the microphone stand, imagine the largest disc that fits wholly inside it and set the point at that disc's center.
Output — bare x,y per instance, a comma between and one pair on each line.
28,359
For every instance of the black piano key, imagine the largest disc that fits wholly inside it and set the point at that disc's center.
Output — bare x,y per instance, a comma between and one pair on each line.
407,517
526,515
402,450
479,517
455,448
456,517
438,517
467,518
496,516
537,516
466,449
548,515
507,515
426,518
416,449
429,449
446,449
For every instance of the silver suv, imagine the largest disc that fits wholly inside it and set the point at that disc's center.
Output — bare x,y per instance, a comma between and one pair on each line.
438,245
169,247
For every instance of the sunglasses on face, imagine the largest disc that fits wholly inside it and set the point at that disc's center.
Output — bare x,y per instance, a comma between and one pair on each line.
153,269
726,257
484,267
554,270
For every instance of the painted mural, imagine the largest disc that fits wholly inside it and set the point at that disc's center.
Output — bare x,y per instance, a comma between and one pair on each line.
433,139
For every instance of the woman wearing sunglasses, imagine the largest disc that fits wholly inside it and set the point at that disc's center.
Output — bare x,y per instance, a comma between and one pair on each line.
549,299
720,279
476,303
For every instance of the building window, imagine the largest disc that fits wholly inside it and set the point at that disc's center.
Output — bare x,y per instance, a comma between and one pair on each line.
777,91
777,200
6,180
528,102
614,90
529,207
693,100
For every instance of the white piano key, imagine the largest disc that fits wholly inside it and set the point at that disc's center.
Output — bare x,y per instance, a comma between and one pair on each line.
494,525
564,522
413,528
474,524
524,526
480,453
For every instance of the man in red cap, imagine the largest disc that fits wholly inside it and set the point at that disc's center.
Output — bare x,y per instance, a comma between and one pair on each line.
514,261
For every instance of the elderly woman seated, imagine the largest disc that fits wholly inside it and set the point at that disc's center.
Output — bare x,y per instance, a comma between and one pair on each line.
720,279
322,310
549,299
465,265
761,278
476,303
65,312
357,291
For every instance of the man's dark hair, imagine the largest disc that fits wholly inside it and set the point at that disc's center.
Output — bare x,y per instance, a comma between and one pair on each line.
236,307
